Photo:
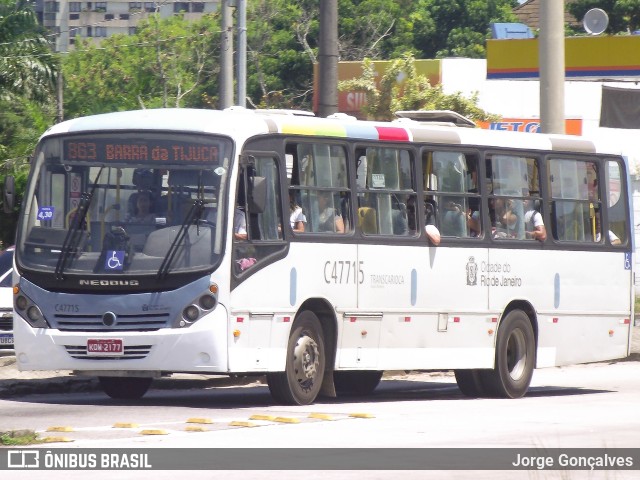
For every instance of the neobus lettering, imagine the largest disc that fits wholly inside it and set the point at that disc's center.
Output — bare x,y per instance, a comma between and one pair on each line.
343,272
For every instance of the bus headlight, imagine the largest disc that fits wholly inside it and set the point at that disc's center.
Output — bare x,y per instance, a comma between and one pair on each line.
34,314
29,310
191,313
207,302
199,307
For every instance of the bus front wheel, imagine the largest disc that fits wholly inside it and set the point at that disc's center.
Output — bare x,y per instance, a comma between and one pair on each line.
300,383
128,388
515,358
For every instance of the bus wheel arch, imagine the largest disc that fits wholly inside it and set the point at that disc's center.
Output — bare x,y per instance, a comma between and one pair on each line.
515,353
308,351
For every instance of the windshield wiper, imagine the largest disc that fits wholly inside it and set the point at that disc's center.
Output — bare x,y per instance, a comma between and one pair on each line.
196,211
74,234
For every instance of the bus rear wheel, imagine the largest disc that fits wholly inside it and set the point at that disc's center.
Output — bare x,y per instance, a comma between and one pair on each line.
357,382
301,381
515,358
127,388
470,382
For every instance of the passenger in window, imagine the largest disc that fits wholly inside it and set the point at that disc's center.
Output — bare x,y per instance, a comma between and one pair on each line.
613,238
454,220
473,223
239,224
296,217
433,234
329,218
508,220
534,224
143,207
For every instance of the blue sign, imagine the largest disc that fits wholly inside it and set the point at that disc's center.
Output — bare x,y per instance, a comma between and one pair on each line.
114,260
45,213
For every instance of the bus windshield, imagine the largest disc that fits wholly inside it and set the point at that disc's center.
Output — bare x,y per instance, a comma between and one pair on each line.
136,204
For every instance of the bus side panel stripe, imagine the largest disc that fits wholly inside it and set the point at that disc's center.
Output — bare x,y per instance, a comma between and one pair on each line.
325,130
436,136
293,285
577,145
367,132
393,134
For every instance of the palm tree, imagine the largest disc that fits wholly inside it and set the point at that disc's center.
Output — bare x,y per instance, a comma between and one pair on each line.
27,66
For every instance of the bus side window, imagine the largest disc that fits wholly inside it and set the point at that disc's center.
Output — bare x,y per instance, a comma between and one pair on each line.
576,206
453,177
385,191
617,228
320,171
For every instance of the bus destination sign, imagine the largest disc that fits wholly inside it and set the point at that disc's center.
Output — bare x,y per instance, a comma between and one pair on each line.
124,150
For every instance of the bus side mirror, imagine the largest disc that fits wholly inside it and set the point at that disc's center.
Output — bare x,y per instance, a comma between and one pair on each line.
8,194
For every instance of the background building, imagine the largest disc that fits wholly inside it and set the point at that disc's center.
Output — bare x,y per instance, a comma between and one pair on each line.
97,20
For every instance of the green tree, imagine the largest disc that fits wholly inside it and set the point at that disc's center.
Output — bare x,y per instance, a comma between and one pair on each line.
27,75
281,48
376,29
27,67
624,15
457,27
413,93
165,64
282,38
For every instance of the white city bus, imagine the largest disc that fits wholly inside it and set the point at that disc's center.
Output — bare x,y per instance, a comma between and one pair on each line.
107,292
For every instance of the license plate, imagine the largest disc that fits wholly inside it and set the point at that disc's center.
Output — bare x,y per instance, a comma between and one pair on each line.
105,346
6,339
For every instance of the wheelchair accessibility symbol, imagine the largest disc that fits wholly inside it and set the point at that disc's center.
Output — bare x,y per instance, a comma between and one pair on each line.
114,260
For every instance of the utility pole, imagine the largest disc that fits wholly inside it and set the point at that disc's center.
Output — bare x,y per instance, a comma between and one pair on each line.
59,94
226,56
328,58
551,66
242,53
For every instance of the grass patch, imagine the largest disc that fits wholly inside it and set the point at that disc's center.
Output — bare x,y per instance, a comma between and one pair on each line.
18,437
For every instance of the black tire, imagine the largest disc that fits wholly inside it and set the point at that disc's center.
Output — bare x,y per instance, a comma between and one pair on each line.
301,381
128,388
515,358
356,382
470,382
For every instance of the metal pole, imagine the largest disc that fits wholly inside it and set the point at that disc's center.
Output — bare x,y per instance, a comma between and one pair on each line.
328,58
226,56
59,94
551,65
242,53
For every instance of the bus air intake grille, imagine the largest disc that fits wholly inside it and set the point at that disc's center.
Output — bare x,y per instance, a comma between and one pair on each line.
6,323
136,352
94,323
